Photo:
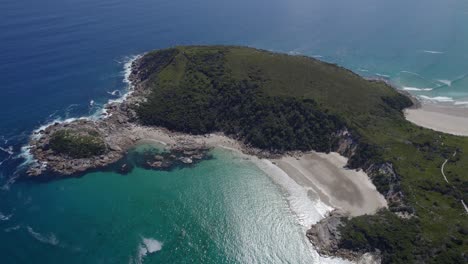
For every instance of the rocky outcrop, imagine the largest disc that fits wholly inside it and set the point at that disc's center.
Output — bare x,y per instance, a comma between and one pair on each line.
383,174
347,145
326,236
388,183
184,153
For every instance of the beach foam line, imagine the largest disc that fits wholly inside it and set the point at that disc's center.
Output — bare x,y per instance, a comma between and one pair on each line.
442,99
408,88
309,212
461,103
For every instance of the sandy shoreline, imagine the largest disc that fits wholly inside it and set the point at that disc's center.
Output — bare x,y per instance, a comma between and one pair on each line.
350,191
323,176
440,117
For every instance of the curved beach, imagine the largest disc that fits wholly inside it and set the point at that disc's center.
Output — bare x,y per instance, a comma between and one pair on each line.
440,117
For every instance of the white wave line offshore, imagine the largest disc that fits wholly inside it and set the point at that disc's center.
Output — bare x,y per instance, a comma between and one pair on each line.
47,239
412,73
437,98
433,51
408,88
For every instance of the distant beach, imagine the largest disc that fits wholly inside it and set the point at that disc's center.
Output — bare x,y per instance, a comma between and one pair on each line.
440,117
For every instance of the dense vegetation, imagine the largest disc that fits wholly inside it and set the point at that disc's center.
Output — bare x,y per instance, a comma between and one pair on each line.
385,232
282,102
206,100
77,145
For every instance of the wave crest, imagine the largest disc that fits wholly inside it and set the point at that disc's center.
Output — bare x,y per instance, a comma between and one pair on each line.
50,239
147,246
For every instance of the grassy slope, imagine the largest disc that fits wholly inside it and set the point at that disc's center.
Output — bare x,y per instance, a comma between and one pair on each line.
416,153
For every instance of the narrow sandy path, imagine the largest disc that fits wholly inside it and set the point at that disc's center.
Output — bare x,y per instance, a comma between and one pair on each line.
445,177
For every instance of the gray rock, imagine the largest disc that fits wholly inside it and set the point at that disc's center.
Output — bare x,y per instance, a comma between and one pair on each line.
186,160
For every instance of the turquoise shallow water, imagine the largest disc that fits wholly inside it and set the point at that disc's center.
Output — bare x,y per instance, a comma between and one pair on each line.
223,210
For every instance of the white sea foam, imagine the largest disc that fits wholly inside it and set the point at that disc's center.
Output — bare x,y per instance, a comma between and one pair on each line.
410,72
433,51
317,56
437,98
9,182
8,150
363,70
101,113
407,88
294,52
5,217
461,103
307,210
115,93
12,228
147,246
47,239
1,162
446,82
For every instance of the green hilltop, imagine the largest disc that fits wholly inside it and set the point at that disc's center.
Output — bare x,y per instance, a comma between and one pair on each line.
280,103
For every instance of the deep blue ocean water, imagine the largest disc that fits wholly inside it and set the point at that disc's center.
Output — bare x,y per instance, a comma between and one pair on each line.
62,59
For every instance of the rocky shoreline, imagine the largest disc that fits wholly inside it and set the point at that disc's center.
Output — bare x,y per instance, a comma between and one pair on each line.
120,130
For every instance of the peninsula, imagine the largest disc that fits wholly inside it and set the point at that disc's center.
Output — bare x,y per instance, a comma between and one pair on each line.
290,109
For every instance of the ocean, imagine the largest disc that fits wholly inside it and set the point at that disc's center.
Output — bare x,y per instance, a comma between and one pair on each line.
65,59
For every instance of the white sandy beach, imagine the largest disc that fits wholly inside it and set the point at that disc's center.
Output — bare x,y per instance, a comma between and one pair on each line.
350,191
443,118
322,176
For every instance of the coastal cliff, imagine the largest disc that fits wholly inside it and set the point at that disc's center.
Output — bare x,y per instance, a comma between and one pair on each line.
272,105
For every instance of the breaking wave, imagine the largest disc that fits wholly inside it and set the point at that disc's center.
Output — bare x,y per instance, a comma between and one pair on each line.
50,239
407,88
383,75
5,217
445,82
308,211
12,228
438,98
8,150
433,51
25,152
147,246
